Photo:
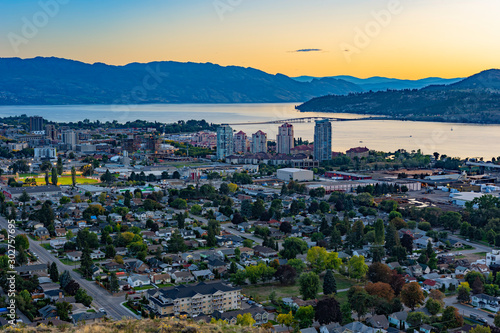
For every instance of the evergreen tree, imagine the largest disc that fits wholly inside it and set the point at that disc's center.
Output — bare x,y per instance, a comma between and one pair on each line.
22,258
335,239
329,283
59,166
391,238
64,279
73,176
114,286
176,243
86,263
54,272
54,176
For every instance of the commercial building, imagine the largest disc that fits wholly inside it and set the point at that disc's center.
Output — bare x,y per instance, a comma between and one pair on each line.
240,142
70,139
36,124
289,174
51,132
284,139
202,298
346,175
259,142
224,141
33,191
323,140
45,153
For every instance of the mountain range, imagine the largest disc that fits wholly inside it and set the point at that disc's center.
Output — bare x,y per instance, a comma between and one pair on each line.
377,83
475,99
43,81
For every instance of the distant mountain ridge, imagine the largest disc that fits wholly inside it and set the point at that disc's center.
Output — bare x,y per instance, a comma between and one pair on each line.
475,99
378,83
52,81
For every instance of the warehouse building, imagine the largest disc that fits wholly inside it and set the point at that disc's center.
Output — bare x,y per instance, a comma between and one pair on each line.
298,175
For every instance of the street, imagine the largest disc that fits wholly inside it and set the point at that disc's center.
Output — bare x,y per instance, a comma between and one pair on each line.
466,311
102,299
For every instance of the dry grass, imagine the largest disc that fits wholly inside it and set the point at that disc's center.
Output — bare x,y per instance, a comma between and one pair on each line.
144,326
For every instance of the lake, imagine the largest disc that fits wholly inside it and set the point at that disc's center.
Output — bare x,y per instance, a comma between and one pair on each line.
461,140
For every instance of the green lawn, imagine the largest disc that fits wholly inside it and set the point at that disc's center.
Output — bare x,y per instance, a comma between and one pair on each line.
69,262
65,180
46,246
165,285
143,287
482,254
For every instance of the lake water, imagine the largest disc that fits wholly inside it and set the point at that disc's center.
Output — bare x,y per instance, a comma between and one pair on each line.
462,140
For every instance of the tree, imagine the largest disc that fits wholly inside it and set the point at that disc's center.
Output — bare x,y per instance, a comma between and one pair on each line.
415,319
433,306
452,317
285,274
378,272
477,286
329,283
285,319
412,295
258,208
320,259
54,272
450,221
391,238
72,287
63,309
64,279
305,315
286,227
328,311
292,246
21,257
437,295
86,263
245,320
21,241
176,243
309,285
463,293
496,321
82,297
357,267
54,176
380,289
24,197
359,300
114,285
379,232
480,329
73,176
297,264
407,243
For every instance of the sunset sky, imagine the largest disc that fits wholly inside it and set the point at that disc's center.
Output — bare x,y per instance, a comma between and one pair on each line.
411,39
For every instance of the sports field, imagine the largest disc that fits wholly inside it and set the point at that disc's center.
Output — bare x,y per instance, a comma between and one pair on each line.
65,180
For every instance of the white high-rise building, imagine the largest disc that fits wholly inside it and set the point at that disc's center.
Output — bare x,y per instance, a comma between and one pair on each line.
224,141
259,142
284,139
323,140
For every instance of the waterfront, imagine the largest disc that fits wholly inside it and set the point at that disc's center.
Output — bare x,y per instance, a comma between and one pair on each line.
461,140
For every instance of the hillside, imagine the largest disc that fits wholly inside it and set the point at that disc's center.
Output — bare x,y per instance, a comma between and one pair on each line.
142,326
475,99
46,81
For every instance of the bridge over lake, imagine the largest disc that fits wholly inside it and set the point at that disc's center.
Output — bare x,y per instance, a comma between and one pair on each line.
303,120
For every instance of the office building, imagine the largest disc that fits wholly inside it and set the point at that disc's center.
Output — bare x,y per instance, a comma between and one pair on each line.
224,141
36,124
240,142
259,142
45,153
51,132
70,139
284,139
323,140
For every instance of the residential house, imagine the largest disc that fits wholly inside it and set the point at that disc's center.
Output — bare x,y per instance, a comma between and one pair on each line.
260,315
461,271
481,268
41,233
264,251
424,328
136,280
204,274
379,321
160,278
182,276
74,256
486,302
61,232
399,319
97,254
48,311
246,251
87,317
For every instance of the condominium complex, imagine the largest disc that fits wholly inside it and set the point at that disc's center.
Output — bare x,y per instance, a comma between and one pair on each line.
284,139
202,298
36,124
224,141
240,142
323,140
70,138
259,142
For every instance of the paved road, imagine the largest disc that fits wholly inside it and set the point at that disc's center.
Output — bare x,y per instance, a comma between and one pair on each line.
102,299
467,310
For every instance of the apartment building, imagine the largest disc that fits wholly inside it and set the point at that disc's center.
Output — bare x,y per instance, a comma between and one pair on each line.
193,300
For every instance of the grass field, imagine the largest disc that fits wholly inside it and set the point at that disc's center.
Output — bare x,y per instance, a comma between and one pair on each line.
65,180
261,292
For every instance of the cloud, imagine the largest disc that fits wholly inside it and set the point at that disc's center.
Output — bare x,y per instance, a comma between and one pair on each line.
308,50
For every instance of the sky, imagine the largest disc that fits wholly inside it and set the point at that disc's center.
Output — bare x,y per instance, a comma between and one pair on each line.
406,39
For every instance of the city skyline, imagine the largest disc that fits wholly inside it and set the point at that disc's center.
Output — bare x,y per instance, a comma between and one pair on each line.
360,38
